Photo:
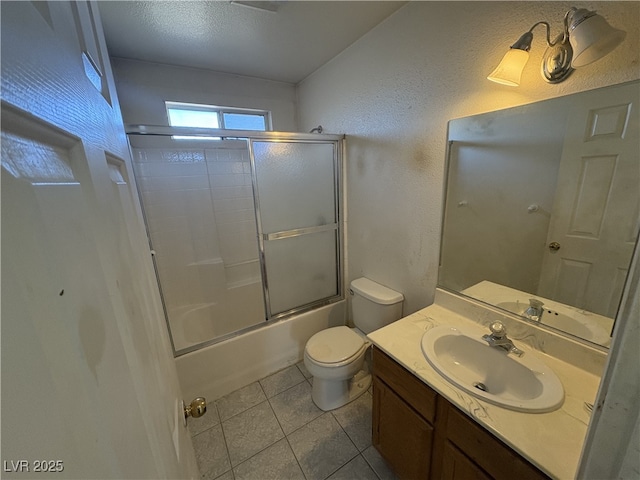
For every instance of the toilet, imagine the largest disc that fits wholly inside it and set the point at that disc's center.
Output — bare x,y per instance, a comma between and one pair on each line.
336,356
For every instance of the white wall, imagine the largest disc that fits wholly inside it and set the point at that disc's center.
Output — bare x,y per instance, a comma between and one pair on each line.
393,91
143,88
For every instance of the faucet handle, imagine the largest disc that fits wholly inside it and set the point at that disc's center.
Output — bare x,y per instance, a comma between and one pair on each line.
498,330
535,303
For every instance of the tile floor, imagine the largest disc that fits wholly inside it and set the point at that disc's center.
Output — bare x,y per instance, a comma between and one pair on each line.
271,429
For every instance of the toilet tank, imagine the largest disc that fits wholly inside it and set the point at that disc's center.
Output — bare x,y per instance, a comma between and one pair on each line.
374,305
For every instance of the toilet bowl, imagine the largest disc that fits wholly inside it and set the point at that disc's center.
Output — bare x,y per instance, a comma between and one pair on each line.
335,357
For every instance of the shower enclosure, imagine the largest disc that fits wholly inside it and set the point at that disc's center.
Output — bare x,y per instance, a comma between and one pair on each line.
244,227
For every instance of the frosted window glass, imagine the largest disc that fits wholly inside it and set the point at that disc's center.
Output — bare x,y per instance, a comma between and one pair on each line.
301,270
296,185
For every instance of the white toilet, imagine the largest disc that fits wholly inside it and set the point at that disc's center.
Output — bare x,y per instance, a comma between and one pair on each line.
336,356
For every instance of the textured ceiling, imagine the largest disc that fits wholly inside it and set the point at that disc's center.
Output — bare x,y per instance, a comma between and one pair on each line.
286,45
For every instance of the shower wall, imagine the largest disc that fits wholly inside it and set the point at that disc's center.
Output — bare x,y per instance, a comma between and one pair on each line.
198,203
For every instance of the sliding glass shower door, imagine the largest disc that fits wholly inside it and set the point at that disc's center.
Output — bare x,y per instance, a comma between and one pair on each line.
297,200
242,230
197,198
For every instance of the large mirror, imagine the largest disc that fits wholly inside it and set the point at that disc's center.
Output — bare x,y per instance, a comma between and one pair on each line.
542,208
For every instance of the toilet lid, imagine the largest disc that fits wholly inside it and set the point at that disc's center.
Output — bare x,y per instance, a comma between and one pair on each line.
334,345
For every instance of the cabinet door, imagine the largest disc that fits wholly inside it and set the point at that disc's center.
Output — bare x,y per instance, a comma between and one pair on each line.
401,436
457,466
485,450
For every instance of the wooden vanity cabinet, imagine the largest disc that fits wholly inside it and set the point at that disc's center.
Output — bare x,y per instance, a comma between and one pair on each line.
423,436
404,409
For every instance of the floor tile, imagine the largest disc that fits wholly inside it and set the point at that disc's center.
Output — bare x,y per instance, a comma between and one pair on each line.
303,370
294,407
240,400
356,469
226,476
321,447
281,381
355,418
211,453
378,464
208,420
250,432
276,462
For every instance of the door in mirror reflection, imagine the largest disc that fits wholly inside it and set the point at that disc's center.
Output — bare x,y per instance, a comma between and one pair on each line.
594,218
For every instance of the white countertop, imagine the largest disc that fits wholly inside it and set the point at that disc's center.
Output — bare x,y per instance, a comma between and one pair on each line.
551,441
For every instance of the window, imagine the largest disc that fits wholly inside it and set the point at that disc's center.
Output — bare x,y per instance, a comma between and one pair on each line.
209,116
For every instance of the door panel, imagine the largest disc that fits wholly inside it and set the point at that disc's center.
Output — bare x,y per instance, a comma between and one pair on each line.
87,369
301,270
296,184
297,203
595,216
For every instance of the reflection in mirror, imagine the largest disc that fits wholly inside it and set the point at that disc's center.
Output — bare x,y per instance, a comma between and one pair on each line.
542,208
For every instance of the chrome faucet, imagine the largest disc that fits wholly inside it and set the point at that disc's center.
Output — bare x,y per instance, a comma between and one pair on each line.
535,310
498,338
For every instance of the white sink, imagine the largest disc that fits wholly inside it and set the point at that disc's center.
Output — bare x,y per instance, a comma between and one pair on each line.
523,383
583,328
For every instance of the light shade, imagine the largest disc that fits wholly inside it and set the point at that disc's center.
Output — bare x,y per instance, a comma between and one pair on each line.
509,71
592,39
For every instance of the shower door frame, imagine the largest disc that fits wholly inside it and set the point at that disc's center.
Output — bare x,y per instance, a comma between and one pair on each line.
284,137
249,136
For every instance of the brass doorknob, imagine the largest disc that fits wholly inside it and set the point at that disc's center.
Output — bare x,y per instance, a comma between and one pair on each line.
196,408
554,246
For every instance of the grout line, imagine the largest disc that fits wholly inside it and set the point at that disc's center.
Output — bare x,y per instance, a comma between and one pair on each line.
226,448
276,417
369,463
287,389
343,465
259,452
263,449
248,408
286,437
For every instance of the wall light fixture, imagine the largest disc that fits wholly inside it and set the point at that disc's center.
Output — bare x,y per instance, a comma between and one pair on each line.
586,38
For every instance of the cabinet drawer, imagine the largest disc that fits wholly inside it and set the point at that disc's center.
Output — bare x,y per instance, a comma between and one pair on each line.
489,453
413,391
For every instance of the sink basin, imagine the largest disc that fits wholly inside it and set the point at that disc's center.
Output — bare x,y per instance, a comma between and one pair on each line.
524,383
586,328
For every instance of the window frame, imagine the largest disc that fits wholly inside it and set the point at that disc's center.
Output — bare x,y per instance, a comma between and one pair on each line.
220,111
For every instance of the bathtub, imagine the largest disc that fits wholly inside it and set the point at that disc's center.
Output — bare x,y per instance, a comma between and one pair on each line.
219,369
235,309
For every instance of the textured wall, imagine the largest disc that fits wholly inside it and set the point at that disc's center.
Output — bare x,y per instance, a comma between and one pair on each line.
393,91
143,88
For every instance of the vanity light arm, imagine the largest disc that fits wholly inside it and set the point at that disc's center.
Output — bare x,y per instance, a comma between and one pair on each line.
525,40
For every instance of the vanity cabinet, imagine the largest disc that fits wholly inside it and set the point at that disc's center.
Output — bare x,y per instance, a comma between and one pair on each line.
404,409
423,436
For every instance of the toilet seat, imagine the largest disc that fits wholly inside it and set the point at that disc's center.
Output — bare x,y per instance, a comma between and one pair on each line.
334,346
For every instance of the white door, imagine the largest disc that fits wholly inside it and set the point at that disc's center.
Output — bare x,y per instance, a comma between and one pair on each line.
89,384
595,214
